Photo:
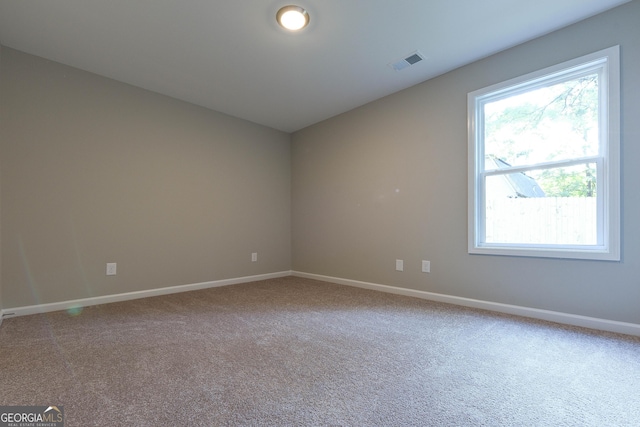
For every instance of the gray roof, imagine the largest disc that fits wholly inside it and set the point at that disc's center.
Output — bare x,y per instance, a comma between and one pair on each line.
522,184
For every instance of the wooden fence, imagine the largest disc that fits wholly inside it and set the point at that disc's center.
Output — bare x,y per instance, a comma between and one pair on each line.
547,220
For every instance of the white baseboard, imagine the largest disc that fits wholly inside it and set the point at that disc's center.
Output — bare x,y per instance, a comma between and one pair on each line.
85,302
552,316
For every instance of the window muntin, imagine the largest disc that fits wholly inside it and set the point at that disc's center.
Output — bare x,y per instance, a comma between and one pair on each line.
543,156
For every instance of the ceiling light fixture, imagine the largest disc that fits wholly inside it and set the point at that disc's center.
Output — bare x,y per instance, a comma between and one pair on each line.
292,18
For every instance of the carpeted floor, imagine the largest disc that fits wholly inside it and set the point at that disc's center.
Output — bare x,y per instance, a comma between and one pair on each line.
298,352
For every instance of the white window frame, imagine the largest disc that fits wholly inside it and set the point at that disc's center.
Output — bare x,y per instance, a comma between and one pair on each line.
607,64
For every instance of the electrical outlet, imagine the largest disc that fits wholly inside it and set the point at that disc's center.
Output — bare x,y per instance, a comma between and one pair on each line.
254,257
426,266
399,265
111,268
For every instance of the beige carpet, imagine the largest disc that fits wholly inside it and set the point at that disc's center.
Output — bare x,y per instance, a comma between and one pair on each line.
292,352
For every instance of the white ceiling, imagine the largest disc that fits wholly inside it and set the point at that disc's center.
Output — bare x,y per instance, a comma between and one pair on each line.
230,56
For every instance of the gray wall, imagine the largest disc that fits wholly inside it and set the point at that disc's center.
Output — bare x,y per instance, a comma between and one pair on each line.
96,171
389,180
2,124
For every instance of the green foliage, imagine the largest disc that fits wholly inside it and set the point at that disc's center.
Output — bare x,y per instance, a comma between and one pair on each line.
548,124
558,182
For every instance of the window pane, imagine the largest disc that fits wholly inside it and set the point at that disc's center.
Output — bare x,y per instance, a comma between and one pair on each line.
546,206
544,162
556,122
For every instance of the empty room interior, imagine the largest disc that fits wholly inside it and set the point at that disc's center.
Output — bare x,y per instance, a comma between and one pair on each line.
208,219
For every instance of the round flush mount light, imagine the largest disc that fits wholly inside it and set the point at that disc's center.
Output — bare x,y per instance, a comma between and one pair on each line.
292,18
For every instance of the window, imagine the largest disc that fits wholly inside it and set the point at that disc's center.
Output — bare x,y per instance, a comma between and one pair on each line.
544,162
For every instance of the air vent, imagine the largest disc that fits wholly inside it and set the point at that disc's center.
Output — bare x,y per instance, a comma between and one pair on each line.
411,59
